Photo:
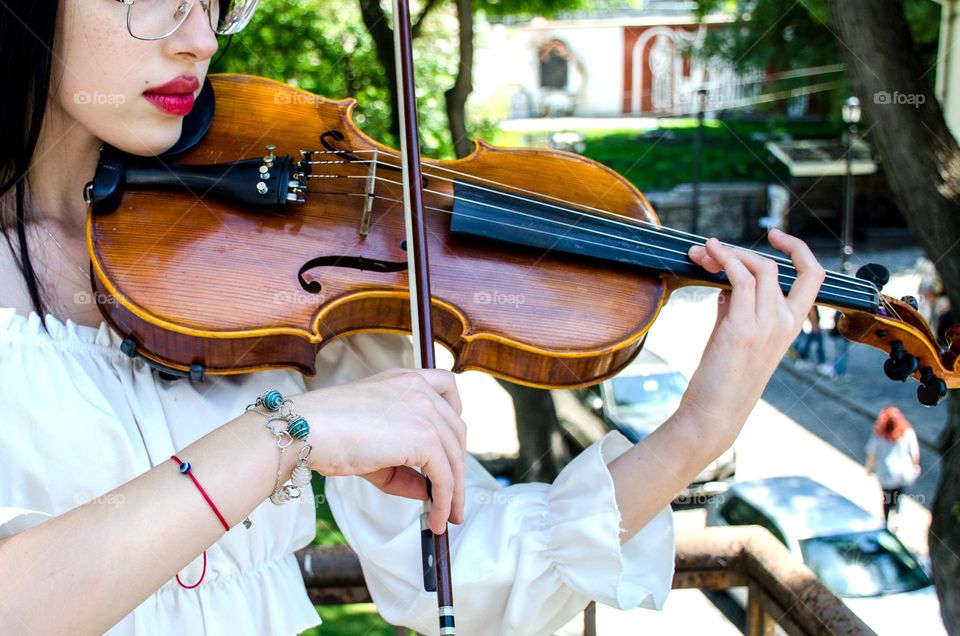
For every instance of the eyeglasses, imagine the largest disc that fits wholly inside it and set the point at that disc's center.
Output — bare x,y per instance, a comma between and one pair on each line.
157,19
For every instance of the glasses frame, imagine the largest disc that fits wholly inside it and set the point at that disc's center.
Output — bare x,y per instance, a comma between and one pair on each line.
204,4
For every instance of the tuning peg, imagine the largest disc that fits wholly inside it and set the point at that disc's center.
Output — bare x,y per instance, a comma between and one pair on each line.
901,364
269,158
876,274
932,389
912,301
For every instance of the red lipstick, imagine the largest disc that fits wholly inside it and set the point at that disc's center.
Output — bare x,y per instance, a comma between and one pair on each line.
176,96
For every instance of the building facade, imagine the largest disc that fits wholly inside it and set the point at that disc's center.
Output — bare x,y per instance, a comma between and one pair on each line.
634,62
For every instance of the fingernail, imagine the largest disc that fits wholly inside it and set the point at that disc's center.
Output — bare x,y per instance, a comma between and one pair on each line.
696,251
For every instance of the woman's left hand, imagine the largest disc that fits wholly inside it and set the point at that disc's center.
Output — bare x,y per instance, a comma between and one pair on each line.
755,325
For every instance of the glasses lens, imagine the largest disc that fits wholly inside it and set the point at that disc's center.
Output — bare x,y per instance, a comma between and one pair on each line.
233,15
154,19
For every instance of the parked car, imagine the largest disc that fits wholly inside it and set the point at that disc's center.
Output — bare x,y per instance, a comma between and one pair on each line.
635,402
847,547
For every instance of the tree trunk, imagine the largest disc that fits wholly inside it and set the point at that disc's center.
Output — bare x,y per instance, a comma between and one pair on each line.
542,451
944,535
922,163
379,29
457,94
378,26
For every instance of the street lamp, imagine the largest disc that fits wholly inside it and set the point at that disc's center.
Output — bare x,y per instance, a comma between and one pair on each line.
701,97
851,117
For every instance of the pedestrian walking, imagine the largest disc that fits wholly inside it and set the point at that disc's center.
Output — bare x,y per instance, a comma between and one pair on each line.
808,340
893,454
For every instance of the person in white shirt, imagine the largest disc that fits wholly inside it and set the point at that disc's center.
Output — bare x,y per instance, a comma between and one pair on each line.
96,515
893,454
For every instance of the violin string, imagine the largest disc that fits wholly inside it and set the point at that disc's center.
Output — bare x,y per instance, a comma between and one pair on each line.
636,224
870,297
552,235
663,259
869,289
627,221
782,276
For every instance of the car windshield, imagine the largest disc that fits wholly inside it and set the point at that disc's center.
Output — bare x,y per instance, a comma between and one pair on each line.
642,393
863,564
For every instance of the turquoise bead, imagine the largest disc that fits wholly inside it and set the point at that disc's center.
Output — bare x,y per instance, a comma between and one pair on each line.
299,428
185,467
272,399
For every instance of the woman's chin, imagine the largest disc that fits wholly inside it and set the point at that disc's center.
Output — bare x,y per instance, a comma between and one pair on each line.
158,140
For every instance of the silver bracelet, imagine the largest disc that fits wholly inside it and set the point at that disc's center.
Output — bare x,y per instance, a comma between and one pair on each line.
286,425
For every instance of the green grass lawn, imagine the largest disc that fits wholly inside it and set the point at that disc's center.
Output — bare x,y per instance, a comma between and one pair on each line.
659,159
360,619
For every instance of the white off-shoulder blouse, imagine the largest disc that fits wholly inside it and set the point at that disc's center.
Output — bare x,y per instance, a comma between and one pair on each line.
79,418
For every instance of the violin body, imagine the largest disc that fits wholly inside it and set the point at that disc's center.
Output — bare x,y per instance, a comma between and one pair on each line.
199,280
546,268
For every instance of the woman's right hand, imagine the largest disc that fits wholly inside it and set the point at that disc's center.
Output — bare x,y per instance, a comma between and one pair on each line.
384,426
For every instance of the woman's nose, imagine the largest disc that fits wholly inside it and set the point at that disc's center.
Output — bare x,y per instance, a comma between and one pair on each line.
194,38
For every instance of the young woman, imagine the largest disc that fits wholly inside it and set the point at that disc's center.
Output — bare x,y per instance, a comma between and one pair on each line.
95,514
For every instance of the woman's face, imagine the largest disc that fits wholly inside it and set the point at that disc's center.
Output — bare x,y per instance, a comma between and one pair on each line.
104,74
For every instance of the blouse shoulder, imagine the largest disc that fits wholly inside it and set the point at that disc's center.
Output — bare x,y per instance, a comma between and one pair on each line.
29,329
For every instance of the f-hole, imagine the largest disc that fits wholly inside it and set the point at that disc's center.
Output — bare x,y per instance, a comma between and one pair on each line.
351,262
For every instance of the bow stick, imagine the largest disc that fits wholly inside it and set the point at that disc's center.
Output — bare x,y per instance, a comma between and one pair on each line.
435,548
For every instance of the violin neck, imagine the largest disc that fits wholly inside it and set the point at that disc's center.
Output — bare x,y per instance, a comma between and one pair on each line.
500,215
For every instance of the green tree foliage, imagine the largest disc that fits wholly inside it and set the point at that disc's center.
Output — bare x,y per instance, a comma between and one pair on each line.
323,47
783,35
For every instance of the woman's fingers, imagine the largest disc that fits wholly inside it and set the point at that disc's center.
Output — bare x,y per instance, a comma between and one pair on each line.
767,294
767,286
438,470
432,399
445,384
424,393
386,426
442,381
743,298
810,273
401,481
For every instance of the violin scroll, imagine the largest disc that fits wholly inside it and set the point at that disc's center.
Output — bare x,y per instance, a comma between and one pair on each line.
899,330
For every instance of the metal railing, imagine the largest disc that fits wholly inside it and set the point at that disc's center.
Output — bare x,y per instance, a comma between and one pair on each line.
781,591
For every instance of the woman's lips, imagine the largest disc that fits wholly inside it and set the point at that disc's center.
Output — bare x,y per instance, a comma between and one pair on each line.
178,104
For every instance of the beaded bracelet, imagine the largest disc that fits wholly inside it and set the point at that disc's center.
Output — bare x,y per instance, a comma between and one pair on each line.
287,426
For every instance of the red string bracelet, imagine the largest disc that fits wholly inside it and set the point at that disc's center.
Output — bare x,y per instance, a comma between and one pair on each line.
202,574
185,468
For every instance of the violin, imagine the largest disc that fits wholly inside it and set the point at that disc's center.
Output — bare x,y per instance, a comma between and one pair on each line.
546,268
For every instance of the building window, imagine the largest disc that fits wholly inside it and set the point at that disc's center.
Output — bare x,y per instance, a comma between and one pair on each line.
554,65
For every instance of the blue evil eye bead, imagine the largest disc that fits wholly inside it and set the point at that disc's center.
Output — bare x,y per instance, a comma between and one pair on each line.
184,467
271,399
299,428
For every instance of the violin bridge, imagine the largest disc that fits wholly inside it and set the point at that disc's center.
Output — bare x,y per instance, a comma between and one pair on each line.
371,194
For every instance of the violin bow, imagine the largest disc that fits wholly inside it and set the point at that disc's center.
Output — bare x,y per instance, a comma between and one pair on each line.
435,548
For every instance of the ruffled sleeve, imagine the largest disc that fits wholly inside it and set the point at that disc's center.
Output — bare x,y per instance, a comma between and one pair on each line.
526,560
14,520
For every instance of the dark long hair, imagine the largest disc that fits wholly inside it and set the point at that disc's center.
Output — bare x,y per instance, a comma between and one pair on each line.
27,30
